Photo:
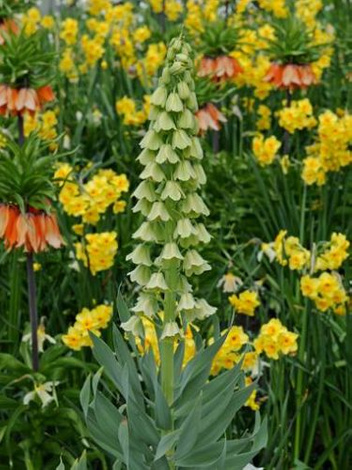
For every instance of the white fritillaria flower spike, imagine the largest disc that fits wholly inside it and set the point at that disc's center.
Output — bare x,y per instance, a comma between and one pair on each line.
169,199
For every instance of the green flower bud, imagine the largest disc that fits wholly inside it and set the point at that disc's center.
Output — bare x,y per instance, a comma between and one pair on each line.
183,90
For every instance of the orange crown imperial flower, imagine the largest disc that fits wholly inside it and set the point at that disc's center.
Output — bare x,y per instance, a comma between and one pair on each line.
209,117
34,230
220,68
18,101
291,76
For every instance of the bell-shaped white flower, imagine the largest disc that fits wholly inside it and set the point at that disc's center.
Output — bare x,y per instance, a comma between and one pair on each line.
151,140
153,171
184,171
186,120
171,251
200,175
140,255
166,154
164,122
183,90
159,212
171,330
143,206
146,156
194,205
172,191
145,233
141,275
157,282
145,190
180,139
194,263
159,96
203,309
134,325
174,103
184,228
146,305
186,302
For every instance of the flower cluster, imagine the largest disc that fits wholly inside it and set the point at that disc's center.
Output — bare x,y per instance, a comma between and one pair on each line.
334,253
44,124
265,150
264,118
87,321
168,198
126,107
297,116
97,251
245,303
332,150
326,291
289,251
275,339
92,199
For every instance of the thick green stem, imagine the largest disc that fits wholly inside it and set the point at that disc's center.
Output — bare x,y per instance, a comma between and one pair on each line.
167,351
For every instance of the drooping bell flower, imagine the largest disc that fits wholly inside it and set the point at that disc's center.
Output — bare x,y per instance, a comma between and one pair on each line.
291,76
34,230
209,117
220,68
7,26
16,102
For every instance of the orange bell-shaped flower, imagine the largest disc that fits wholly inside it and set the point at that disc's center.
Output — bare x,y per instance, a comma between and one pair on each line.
18,101
209,117
291,76
35,230
220,68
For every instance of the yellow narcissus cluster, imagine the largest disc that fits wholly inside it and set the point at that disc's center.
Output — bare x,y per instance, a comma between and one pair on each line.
32,20
199,14
264,118
92,199
297,116
334,253
87,321
44,124
277,7
332,150
275,339
97,251
245,303
265,150
326,291
289,251
126,107
171,9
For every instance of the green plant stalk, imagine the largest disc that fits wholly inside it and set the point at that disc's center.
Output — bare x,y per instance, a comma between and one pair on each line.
15,300
33,314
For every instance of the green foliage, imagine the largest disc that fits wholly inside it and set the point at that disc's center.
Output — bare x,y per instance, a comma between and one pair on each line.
25,173
24,63
132,423
9,7
218,39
